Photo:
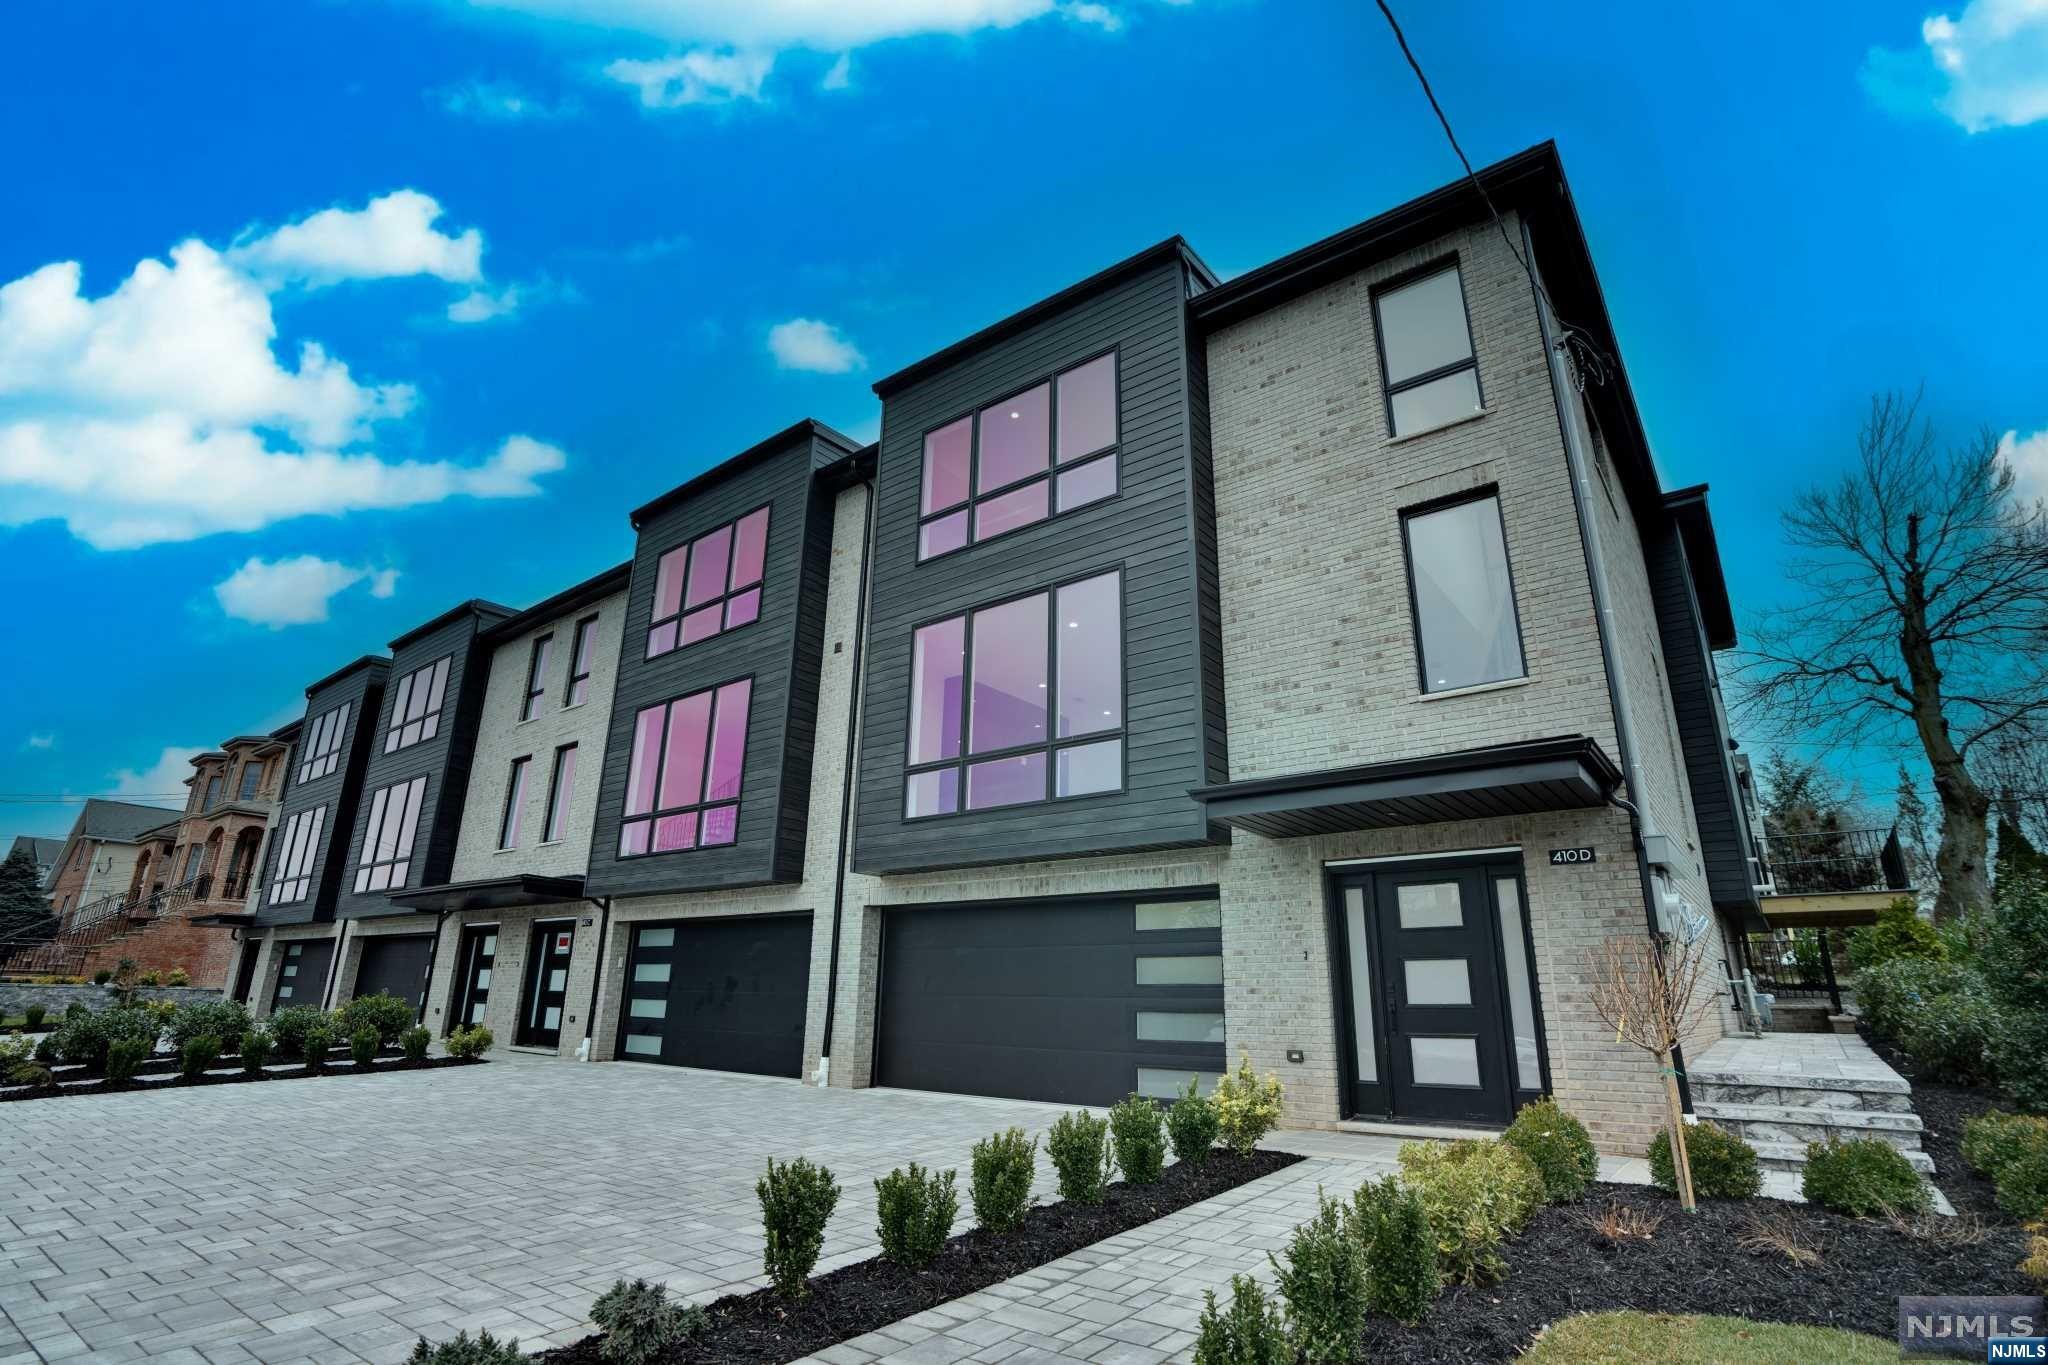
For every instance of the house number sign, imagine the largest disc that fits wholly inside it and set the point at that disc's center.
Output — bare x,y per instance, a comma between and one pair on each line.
1565,857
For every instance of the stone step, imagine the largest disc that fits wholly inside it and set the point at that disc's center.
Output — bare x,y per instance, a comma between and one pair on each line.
1788,1080
1758,1123
1791,1156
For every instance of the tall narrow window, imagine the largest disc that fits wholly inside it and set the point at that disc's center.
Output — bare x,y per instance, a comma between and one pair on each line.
1035,687
683,779
416,706
1466,628
561,792
582,656
711,585
1046,450
292,875
537,676
388,836
212,792
1427,366
192,856
322,744
252,779
515,803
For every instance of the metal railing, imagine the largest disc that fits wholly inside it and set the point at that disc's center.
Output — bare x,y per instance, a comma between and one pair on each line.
1818,861
1794,964
91,926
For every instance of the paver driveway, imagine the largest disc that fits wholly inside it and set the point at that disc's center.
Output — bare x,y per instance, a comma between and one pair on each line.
337,1220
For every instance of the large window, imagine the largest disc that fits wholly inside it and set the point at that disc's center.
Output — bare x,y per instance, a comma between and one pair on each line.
1016,700
387,841
515,802
1466,629
212,793
416,706
1046,450
537,676
323,744
710,585
583,654
292,876
252,779
561,791
1426,360
683,783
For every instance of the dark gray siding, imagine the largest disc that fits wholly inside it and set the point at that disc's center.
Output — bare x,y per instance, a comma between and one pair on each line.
1146,530
444,760
1724,836
339,791
779,651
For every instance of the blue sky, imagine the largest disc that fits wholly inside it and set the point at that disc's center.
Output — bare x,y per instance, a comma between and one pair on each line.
461,283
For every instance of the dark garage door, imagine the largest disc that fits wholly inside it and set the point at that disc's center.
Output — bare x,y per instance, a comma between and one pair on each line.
396,966
1074,1002
723,994
302,973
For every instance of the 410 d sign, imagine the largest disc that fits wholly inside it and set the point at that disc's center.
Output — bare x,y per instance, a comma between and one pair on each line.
1568,857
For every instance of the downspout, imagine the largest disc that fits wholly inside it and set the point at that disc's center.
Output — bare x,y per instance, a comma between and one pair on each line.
604,924
433,956
860,618
1642,825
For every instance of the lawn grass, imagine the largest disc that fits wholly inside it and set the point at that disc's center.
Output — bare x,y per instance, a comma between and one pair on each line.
1661,1338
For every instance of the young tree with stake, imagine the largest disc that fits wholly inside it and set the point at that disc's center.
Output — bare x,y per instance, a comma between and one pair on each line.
1648,990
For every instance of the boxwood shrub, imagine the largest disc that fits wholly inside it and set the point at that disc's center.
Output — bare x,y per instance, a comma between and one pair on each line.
1477,1195
2012,1150
1559,1146
1000,1178
1723,1165
1862,1177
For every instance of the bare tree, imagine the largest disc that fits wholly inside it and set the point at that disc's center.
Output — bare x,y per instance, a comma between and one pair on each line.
1652,992
1924,581
2015,770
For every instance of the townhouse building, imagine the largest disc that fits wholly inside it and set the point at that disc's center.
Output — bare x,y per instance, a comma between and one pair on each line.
1308,665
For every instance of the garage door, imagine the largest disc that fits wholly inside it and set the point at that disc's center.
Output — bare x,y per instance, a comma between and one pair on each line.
396,966
1074,1002
723,994
302,973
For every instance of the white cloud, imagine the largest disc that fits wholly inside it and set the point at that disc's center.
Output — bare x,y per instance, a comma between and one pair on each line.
702,76
840,75
162,779
2028,459
1089,12
161,411
500,102
1985,68
42,739
482,305
808,344
390,237
296,591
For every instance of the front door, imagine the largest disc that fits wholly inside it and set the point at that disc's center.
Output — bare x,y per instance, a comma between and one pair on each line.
547,983
1429,991
245,968
473,975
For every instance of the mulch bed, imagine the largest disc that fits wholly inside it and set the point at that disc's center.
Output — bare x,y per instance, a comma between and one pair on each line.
13,1094
763,1329
1560,1266
1944,1110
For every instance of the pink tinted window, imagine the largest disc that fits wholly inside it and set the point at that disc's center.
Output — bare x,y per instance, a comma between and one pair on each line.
1087,408
672,832
668,583
562,791
945,533
947,452
645,763
1008,698
1091,682
721,824
633,838
661,639
682,762
1006,781
701,742
729,741
709,556
719,589
743,608
750,549
1013,439
580,662
1086,483
701,624
1008,511
936,678
932,793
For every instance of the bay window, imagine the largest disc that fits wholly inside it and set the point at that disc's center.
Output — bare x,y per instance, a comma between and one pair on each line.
683,780
710,585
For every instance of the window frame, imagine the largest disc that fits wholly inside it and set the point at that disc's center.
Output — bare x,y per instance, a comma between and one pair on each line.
584,631
294,864
509,819
1442,504
396,726
328,758
656,812
722,601
1388,389
247,790
536,682
1051,745
216,783
373,826
552,828
1113,452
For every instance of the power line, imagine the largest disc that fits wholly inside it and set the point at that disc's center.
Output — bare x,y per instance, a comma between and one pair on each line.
74,798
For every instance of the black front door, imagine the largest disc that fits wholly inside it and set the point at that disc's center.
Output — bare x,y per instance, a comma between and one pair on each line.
473,976
547,983
245,968
1427,994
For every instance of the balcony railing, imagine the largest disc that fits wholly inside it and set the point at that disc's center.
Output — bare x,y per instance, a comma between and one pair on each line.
1819,861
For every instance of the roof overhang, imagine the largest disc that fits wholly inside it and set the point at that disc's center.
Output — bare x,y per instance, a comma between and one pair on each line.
493,893
225,921
1564,773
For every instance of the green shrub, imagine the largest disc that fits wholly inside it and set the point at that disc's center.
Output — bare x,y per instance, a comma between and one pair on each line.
32,1074
1477,1195
83,1038
383,1012
1392,1228
32,1017
1191,1125
150,978
1078,1144
485,1350
640,1323
797,1199
1897,932
1861,1177
125,1058
362,1046
256,1049
1000,1178
2014,952
226,1020
1249,1332
315,1043
415,1042
177,976
914,1213
1559,1146
1723,1165
1941,1014
289,1027
197,1055
1137,1130
1247,1108
102,977
1323,1282
2011,1149
468,1044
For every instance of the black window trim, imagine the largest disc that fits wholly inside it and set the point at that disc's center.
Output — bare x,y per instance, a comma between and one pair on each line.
515,791
576,643
656,811
536,685
1050,746
331,755
1113,452
1471,362
364,851
394,725
548,833
724,598
1439,504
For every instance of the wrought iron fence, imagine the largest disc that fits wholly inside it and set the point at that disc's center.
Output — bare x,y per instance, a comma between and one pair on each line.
1815,861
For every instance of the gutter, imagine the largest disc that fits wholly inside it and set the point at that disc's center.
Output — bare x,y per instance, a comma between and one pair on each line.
860,618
